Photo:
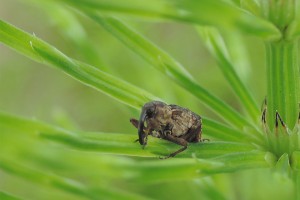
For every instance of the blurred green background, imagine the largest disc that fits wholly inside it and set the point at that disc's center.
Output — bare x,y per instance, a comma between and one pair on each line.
36,91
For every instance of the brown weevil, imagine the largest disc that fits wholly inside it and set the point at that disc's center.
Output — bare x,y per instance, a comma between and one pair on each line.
168,122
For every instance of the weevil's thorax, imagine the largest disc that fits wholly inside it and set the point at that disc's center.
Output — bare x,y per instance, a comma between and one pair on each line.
160,119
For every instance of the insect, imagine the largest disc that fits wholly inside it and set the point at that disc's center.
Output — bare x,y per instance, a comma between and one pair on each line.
169,122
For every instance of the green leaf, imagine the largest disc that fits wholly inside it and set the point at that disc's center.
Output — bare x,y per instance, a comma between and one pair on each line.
44,179
242,161
214,149
283,165
211,192
217,47
5,196
252,6
67,23
118,144
205,12
293,30
61,183
295,160
122,144
109,143
223,156
188,168
222,132
40,51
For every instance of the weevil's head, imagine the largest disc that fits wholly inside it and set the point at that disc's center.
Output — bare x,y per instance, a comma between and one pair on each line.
149,111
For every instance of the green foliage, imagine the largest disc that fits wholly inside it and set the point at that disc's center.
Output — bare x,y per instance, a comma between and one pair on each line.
67,163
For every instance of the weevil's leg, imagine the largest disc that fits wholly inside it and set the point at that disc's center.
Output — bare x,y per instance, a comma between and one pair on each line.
174,153
178,141
277,120
134,122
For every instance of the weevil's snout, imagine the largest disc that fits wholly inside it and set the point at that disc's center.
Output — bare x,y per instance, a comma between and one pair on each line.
141,128
143,139
147,113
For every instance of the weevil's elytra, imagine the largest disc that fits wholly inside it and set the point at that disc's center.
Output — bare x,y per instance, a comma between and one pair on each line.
169,122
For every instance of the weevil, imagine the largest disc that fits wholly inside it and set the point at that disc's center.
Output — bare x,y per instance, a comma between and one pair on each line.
169,122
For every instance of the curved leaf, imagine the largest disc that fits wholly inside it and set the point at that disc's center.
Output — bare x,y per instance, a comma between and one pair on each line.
7,196
216,45
64,184
40,51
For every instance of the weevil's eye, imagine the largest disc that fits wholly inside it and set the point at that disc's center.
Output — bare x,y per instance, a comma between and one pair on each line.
150,112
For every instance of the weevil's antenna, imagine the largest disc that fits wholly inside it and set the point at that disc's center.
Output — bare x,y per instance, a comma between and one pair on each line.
277,120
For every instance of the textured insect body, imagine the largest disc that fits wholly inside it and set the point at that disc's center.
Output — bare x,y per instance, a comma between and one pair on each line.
169,122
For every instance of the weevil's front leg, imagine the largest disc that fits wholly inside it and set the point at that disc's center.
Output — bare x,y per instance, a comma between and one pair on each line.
135,123
175,140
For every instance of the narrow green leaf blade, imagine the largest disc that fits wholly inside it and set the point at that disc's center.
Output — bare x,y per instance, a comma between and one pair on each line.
283,165
217,47
251,6
187,168
293,30
44,179
222,132
6,196
243,160
40,51
67,185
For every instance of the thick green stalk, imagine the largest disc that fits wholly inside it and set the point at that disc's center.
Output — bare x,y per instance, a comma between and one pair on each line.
282,82
282,64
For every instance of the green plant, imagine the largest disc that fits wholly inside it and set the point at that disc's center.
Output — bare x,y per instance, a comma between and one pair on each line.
237,140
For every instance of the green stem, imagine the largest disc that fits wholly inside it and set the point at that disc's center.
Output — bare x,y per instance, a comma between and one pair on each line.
297,184
297,190
282,82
